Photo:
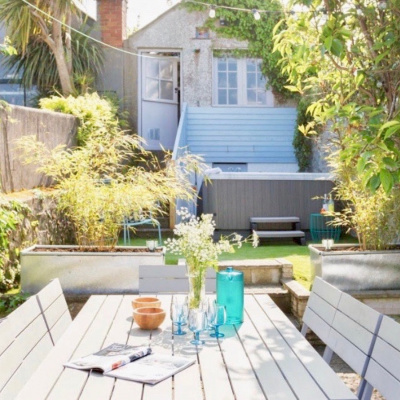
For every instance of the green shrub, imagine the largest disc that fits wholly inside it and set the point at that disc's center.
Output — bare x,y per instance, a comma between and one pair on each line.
12,215
94,113
9,303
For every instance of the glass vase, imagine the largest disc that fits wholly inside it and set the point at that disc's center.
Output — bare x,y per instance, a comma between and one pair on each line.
197,286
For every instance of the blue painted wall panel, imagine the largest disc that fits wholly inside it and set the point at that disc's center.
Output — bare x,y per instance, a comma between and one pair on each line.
242,135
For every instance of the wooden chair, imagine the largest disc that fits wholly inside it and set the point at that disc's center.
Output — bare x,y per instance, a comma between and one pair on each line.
347,326
27,335
383,369
169,279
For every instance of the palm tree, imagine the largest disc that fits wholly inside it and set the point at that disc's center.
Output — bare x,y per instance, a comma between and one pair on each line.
37,65
40,22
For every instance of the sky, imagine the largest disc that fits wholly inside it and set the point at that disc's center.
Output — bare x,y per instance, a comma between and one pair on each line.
141,12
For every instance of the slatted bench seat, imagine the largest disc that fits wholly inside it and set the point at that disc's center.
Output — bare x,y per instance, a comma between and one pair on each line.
347,326
28,334
294,233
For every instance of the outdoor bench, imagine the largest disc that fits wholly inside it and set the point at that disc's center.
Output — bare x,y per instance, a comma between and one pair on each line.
28,334
366,340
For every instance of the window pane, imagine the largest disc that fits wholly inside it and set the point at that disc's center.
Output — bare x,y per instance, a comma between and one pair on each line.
166,69
151,68
251,66
232,80
262,97
151,88
232,93
221,64
232,64
167,90
222,96
261,81
251,97
251,81
222,82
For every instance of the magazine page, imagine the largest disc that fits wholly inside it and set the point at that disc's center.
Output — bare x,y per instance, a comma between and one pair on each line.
109,358
152,369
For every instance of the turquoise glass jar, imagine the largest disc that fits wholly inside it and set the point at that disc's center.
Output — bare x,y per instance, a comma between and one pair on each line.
230,293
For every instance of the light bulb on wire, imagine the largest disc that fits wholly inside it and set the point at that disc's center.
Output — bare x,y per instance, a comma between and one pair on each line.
256,14
211,14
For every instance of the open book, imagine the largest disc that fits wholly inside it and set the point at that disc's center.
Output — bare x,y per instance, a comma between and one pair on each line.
109,358
152,369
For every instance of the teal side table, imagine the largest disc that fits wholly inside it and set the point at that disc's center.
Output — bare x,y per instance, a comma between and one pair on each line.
321,229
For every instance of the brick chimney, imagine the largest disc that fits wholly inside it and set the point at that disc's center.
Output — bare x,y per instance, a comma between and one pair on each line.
112,17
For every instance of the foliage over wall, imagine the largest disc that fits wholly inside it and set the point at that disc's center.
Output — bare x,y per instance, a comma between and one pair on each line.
95,113
242,26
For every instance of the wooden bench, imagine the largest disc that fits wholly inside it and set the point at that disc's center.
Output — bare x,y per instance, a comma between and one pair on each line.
347,326
383,369
294,233
170,278
28,334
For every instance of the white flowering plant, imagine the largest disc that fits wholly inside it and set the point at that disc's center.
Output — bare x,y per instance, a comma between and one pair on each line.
194,241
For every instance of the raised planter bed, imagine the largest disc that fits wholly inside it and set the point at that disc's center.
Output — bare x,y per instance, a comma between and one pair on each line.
85,272
352,270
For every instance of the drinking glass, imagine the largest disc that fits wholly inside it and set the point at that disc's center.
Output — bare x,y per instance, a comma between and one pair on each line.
197,323
179,313
217,318
210,310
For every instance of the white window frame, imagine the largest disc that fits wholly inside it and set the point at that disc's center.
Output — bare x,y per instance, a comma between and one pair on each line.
174,81
241,85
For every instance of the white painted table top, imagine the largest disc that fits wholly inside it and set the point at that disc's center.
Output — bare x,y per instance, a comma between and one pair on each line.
264,358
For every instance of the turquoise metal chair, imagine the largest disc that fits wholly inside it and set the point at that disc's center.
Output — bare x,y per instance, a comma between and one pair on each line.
143,220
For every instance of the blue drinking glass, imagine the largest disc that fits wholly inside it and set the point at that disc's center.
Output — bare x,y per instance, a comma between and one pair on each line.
218,319
179,313
197,323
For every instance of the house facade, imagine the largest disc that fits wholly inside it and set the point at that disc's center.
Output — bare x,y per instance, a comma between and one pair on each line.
182,86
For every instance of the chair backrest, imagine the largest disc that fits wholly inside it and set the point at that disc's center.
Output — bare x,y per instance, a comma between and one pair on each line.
383,369
169,279
55,309
28,334
347,326
321,309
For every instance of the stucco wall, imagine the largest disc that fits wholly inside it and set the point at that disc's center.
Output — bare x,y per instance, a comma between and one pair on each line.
15,122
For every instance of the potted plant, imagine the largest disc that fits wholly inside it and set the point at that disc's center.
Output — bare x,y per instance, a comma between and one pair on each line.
98,184
341,56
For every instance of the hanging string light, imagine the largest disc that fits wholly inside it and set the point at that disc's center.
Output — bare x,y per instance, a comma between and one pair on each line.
256,14
211,14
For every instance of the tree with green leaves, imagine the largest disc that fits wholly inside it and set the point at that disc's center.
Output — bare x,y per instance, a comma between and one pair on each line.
39,30
344,57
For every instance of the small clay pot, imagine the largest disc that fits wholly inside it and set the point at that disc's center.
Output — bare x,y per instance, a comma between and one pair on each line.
149,317
146,302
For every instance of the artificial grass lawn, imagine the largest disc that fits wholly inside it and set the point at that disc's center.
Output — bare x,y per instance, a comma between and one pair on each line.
299,256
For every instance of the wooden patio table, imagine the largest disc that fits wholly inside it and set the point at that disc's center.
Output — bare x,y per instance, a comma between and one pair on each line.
266,357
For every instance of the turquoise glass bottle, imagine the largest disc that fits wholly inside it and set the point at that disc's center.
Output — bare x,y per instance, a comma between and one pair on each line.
230,293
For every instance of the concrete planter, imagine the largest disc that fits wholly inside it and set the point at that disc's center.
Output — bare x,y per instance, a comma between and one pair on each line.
84,272
356,270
